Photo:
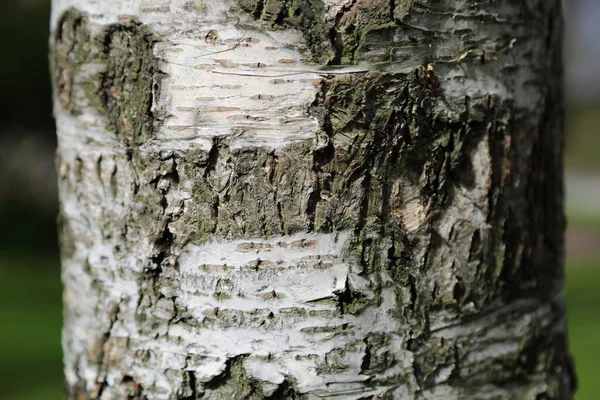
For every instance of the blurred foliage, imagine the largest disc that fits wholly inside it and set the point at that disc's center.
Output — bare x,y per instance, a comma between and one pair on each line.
583,324
25,96
583,138
590,223
31,229
30,305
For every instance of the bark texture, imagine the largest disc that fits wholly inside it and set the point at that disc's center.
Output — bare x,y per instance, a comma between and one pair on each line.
311,199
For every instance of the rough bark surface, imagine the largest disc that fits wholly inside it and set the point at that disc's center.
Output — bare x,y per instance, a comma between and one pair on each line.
311,199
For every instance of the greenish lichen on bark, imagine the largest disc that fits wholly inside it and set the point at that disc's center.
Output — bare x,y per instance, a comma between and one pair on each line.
359,31
357,141
128,83
308,16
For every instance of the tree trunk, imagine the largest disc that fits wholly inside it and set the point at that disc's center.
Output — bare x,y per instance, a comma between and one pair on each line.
311,199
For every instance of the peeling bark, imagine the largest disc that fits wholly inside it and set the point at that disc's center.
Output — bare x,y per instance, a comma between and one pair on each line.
311,199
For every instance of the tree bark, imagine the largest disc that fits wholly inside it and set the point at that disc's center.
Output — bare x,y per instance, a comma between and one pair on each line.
311,199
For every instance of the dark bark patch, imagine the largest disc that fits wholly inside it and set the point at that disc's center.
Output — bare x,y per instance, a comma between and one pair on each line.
233,382
375,360
132,389
308,16
127,83
286,390
71,47
123,89
350,301
358,32
430,357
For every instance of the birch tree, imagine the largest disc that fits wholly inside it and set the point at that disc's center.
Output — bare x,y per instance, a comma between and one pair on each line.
311,199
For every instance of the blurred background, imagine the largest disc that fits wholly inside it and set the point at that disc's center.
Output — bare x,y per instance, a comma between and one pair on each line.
30,288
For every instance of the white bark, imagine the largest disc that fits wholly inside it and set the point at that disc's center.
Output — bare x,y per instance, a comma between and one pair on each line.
156,310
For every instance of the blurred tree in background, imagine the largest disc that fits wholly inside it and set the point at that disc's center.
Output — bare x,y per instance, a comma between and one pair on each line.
27,140
30,289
